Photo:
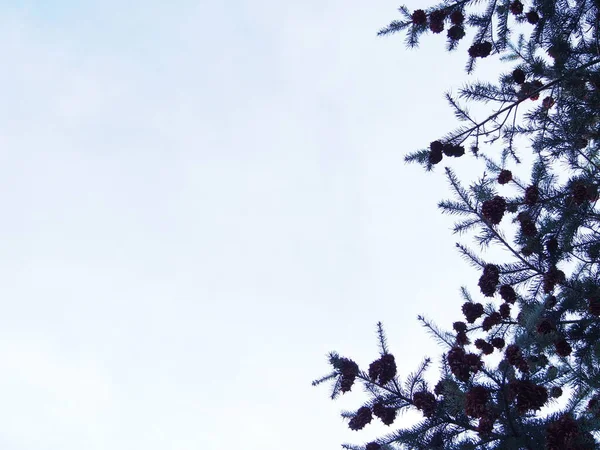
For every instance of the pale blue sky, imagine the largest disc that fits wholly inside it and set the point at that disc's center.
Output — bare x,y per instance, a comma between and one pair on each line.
200,200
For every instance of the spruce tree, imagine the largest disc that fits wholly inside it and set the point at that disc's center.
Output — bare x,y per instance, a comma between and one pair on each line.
521,363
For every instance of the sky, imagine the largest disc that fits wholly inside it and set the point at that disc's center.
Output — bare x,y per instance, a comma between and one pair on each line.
200,200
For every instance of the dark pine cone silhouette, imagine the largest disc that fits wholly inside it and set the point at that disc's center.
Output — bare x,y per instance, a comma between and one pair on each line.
508,293
489,280
579,192
484,346
384,368
363,417
436,21
528,395
532,195
458,364
545,326
515,358
504,176
346,384
373,446
472,311
486,424
532,17
504,310
552,245
518,76
480,50
385,413
425,401
562,434
457,17
553,277
476,401
493,210
463,364
435,152
462,338
562,348
456,32
374,369
498,342
516,7
528,227
556,392
419,17
491,321
349,370
459,326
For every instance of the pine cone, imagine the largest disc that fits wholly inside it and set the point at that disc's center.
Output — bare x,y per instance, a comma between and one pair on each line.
473,362
491,321
459,366
472,311
562,348
528,228
528,395
476,401
493,210
545,326
459,326
375,370
484,346
480,50
436,21
435,152
508,293
388,368
504,310
516,7
419,17
457,17
363,417
373,446
518,76
498,342
562,434
513,355
386,414
556,392
489,280
456,33
486,424
553,277
504,176
532,17
548,103
426,402
579,192
348,370
383,369
552,246
532,195
462,338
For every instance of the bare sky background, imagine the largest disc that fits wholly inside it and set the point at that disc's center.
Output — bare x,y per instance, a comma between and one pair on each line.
199,201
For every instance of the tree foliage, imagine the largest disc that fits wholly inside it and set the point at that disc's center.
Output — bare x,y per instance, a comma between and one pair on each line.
521,368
